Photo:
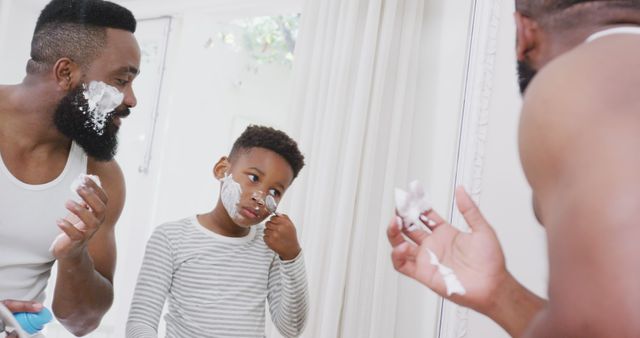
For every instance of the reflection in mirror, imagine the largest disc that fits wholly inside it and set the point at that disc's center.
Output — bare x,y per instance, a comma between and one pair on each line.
488,164
220,74
371,92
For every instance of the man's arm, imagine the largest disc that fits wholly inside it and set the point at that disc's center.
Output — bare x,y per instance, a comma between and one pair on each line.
579,140
84,285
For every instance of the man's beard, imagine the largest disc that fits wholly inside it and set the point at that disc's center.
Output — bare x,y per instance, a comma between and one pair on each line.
526,73
73,119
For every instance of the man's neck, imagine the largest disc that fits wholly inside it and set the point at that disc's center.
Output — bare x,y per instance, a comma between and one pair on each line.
564,37
26,117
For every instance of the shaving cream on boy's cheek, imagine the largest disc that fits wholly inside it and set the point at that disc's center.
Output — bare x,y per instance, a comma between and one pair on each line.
230,194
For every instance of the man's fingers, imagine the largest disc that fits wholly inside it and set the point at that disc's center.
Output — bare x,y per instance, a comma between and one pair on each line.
85,215
394,234
100,193
417,235
92,200
469,210
22,306
403,257
432,219
71,231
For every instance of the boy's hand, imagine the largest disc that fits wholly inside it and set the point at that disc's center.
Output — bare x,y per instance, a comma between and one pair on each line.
280,236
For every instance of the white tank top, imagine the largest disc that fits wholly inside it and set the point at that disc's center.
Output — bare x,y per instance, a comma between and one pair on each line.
28,215
613,31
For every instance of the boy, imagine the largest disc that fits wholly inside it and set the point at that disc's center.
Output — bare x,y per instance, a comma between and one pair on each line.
218,268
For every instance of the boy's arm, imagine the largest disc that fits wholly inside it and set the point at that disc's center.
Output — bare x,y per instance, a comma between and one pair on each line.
288,295
151,290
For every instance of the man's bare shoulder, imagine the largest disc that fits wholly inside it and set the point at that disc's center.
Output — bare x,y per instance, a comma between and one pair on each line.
600,77
591,89
583,103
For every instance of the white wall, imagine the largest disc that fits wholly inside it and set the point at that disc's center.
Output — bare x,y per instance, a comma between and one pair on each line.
17,21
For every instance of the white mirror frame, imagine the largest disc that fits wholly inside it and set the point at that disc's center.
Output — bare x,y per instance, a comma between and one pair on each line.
478,89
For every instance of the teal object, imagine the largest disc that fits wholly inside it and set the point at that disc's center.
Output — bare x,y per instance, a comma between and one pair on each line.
33,322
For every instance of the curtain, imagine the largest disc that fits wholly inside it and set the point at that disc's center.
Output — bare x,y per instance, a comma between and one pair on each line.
353,101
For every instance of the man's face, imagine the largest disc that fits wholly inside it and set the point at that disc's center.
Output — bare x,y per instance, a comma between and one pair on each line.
117,66
259,172
74,119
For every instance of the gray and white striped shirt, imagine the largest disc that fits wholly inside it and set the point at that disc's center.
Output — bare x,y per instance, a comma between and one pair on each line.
216,285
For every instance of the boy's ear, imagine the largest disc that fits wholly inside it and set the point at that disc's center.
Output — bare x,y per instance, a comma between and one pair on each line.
221,168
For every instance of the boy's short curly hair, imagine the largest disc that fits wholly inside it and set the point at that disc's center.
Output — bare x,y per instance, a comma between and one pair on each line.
272,139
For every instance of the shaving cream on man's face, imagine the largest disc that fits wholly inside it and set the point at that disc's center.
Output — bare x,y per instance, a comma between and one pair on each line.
102,100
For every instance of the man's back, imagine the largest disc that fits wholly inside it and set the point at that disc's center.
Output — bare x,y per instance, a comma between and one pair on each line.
579,138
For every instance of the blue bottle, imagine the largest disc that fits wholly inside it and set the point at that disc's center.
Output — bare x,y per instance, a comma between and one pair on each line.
33,322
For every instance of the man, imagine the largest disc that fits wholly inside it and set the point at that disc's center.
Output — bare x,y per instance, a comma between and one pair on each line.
579,135
60,122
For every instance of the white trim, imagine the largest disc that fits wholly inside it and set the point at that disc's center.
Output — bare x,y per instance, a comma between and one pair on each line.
616,30
155,112
473,134
143,9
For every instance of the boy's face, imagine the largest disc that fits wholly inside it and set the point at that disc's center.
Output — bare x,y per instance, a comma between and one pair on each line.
259,172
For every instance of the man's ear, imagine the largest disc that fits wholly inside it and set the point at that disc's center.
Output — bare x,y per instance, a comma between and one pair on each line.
221,168
527,31
66,73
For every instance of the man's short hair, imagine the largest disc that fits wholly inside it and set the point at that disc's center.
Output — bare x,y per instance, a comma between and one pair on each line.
272,139
75,29
538,8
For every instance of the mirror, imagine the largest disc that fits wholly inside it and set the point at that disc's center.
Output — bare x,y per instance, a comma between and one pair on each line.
488,163
202,83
